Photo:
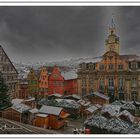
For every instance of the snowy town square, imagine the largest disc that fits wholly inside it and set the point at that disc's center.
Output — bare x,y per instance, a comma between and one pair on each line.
69,70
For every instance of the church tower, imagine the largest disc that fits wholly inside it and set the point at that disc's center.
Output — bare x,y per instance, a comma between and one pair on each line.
112,43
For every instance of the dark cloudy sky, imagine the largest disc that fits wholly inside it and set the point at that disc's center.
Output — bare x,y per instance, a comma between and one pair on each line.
33,34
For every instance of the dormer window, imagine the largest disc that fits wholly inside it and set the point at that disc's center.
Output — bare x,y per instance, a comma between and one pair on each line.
133,65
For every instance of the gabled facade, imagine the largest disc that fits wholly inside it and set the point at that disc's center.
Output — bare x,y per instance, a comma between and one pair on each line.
56,82
32,80
43,81
9,73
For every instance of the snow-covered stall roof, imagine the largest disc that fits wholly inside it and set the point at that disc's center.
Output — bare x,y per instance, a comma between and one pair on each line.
134,129
73,96
98,106
113,110
117,103
69,74
34,110
30,99
42,115
128,106
92,109
67,103
116,125
17,101
100,95
127,114
21,107
55,95
97,121
50,110
84,103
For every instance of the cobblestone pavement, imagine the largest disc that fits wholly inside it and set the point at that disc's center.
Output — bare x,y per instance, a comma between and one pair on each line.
71,125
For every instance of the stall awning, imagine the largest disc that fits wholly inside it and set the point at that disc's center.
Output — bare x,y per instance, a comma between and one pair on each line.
64,115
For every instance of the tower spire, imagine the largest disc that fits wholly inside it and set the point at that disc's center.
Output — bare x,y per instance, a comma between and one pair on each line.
112,22
112,28
112,42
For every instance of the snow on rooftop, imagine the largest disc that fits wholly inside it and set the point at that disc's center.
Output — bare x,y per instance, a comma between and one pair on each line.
116,125
92,60
128,106
134,129
42,115
20,107
56,95
67,103
73,96
97,121
69,74
98,106
17,101
117,103
113,110
100,95
30,99
34,110
50,110
92,109
84,103
127,114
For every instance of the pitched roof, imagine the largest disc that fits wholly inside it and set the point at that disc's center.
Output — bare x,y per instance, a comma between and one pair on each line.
21,108
8,59
50,110
17,101
129,56
42,115
34,110
113,110
100,95
92,109
92,60
127,114
69,74
73,96
55,95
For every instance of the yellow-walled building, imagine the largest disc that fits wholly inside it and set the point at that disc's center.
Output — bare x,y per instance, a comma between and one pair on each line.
32,80
112,74
43,82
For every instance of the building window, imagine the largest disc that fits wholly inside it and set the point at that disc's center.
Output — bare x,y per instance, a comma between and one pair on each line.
101,67
83,91
120,84
84,82
91,82
111,82
134,82
111,67
120,67
101,84
134,65
134,96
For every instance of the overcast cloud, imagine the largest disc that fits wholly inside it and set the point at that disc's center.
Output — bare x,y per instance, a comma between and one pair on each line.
56,33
